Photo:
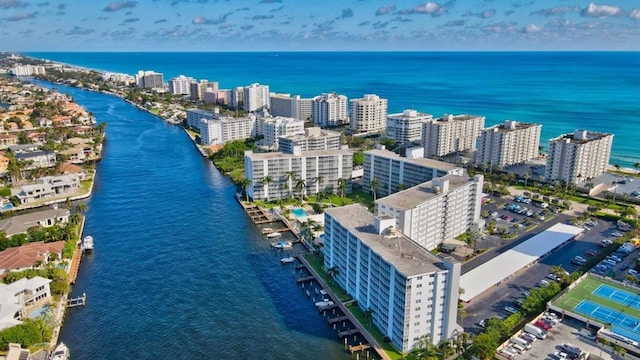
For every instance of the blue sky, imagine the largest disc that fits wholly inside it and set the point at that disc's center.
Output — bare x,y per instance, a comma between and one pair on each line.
290,25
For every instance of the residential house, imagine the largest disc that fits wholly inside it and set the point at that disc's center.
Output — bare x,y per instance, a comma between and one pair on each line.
21,223
7,140
47,187
16,296
29,255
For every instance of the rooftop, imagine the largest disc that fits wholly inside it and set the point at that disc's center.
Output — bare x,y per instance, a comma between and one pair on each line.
407,257
414,196
424,162
511,125
19,224
581,136
461,117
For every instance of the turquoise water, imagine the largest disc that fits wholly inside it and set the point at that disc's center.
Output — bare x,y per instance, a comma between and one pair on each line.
299,213
36,313
563,91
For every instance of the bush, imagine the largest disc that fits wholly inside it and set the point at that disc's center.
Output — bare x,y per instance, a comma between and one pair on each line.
28,333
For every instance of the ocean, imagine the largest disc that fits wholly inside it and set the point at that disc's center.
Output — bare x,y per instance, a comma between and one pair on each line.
563,91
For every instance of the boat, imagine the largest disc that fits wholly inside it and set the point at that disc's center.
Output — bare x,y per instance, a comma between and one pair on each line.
282,244
324,302
267,230
61,352
287,260
274,235
87,243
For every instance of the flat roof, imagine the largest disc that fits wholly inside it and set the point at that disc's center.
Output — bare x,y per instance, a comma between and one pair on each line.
404,254
281,155
499,268
424,162
414,196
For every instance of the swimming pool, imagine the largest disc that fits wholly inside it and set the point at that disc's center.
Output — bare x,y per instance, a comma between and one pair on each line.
299,213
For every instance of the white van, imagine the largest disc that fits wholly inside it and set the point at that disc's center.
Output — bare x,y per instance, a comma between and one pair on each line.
509,354
521,349
520,341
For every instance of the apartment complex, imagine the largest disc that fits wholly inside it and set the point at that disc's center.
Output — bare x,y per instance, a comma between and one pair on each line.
329,110
412,294
149,80
271,128
28,70
181,85
369,114
451,134
194,116
435,211
256,98
508,144
221,130
578,156
197,89
297,173
394,172
313,139
406,126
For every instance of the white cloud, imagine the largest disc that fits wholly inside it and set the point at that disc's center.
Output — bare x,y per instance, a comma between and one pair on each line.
635,14
600,11
531,29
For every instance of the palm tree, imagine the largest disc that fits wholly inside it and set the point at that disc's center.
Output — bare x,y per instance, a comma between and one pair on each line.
308,227
329,193
318,180
445,348
368,315
463,314
561,274
289,176
619,351
342,186
375,186
266,181
244,183
526,177
82,208
300,187
461,342
637,167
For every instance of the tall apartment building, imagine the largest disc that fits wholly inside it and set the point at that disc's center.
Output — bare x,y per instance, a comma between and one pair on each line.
394,172
197,89
149,80
369,114
224,129
508,144
195,115
236,97
435,211
313,138
28,70
181,85
256,98
271,128
319,170
412,294
305,109
578,156
451,134
406,126
284,105
329,110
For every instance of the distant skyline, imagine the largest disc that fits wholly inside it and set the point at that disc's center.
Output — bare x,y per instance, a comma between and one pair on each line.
297,25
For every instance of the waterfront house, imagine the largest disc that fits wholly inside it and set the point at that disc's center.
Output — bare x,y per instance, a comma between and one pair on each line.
37,138
15,297
29,255
33,156
68,168
21,223
7,140
47,187
75,154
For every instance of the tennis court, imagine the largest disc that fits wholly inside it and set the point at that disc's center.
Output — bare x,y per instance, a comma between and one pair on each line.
617,295
630,324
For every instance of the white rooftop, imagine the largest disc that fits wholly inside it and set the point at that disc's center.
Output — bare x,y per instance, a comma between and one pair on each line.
499,268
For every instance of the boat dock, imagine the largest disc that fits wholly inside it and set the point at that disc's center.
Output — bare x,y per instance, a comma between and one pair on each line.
336,320
78,301
75,264
360,347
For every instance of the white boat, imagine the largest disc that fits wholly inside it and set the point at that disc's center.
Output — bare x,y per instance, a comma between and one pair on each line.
324,302
87,243
283,244
287,260
274,235
61,352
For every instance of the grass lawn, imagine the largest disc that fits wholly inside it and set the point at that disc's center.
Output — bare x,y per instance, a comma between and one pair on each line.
584,291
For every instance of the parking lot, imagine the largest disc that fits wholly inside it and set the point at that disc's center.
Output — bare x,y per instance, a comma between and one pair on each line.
493,302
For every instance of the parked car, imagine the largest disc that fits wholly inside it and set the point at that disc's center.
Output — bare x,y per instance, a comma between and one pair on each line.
616,234
510,309
542,325
590,253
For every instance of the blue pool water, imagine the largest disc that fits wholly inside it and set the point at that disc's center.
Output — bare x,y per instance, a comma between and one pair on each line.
299,213
38,312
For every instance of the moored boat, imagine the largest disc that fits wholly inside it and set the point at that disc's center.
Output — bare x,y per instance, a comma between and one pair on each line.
87,243
274,235
282,244
61,352
324,302
287,260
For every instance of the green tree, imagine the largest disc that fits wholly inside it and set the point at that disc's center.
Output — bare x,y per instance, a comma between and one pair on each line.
358,158
445,348
245,183
484,346
300,187
318,180
266,181
375,186
290,176
342,186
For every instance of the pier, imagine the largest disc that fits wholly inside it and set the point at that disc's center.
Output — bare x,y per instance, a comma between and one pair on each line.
343,334
305,279
78,301
357,348
338,320
75,264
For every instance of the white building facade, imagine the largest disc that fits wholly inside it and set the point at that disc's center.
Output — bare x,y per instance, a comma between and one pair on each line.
406,127
451,134
181,85
297,174
508,144
149,79
412,294
435,211
256,98
369,114
313,139
578,156
329,110
274,127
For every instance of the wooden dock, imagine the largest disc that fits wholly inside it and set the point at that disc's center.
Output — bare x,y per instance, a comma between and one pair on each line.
339,319
346,333
360,347
327,307
305,279
280,230
75,264
79,301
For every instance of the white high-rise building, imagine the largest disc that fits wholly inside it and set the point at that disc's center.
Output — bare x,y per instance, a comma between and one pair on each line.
236,97
406,126
508,144
284,105
224,129
274,127
451,134
435,211
305,109
412,294
313,138
197,89
393,172
181,85
369,114
256,98
577,157
195,115
313,172
149,80
28,70
329,110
